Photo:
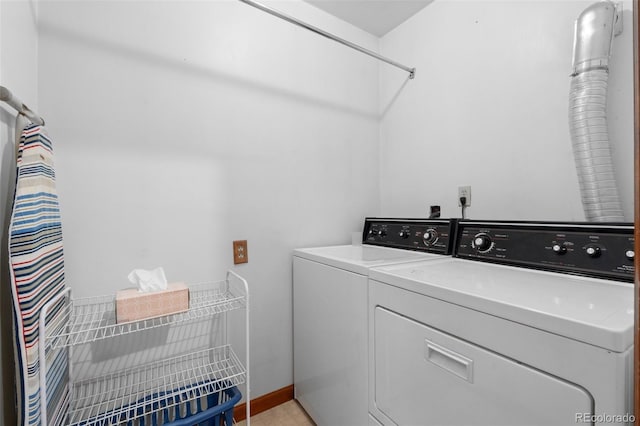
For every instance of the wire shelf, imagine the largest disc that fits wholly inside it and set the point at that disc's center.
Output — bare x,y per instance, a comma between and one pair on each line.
174,388
136,392
86,320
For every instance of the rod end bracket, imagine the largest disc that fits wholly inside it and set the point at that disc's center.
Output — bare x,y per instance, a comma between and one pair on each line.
412,74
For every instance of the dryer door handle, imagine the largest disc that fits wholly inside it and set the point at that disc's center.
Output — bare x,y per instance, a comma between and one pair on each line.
449,360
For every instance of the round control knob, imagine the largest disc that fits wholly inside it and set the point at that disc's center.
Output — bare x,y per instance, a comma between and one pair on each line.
559,248
593,251
630,254
382,232
404,234
482,242
429,237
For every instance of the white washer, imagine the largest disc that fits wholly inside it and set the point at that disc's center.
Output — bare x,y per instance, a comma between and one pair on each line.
330,313
487,339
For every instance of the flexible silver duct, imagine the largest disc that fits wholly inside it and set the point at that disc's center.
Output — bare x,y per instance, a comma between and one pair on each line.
595,29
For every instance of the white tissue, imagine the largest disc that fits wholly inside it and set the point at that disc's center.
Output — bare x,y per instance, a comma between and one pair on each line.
148,281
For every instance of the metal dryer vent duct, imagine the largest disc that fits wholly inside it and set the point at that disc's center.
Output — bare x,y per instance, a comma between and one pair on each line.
595,29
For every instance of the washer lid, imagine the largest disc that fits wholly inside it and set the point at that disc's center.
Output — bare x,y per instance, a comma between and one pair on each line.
360,259
595,311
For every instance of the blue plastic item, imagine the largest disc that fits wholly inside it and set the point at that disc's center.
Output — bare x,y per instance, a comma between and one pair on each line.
210,416
219,406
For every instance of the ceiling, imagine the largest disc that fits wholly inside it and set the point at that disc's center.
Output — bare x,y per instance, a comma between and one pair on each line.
377,17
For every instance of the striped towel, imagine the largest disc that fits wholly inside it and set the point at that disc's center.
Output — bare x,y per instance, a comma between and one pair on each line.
37,275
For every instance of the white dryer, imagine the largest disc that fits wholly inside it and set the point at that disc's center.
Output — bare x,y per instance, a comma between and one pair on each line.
529,324
330,312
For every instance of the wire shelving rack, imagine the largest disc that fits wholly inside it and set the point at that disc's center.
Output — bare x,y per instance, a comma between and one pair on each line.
135,392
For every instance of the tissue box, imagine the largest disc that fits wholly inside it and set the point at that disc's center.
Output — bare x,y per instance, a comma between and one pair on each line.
131,305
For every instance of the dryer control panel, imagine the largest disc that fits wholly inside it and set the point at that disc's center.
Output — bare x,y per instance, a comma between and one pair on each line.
430,235
592,249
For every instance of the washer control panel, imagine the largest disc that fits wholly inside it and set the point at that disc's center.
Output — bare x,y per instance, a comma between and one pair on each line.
431,235
593,249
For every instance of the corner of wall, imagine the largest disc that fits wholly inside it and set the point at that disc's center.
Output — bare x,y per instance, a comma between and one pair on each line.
18,72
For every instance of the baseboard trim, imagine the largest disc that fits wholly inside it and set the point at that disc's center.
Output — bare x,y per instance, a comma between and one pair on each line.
264,402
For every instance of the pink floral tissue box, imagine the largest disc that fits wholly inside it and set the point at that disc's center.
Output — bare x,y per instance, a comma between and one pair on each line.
131,305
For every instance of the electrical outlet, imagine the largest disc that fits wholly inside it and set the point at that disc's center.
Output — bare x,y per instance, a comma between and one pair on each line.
464,191
240,253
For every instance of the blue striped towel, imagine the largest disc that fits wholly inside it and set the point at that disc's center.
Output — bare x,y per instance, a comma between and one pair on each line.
37,274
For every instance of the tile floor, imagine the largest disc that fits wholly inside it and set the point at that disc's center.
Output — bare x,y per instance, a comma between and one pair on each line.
288,414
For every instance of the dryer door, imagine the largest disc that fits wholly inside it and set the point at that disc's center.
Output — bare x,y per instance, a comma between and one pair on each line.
426,377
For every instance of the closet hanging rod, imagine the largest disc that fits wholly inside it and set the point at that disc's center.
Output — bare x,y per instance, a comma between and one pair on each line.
411,71
7,97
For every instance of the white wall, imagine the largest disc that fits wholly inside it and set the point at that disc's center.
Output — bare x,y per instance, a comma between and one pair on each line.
181,126
488,108
18,72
